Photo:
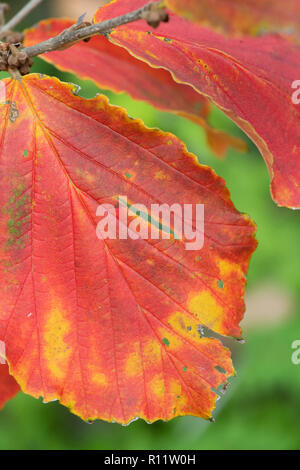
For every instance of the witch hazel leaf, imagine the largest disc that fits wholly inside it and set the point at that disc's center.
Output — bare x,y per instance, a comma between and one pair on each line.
249,79
109,325
111,67
8,386
254,17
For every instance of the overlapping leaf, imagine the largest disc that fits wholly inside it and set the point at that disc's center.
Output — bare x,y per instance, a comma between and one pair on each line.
8,386
110,327
249,79
114,68
243,17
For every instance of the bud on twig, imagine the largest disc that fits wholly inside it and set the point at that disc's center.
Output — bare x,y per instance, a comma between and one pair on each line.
12,58
155,15
14,37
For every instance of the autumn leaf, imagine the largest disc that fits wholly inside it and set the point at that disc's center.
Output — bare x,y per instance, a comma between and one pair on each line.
111,328
113,68
249,79
254,17
8,386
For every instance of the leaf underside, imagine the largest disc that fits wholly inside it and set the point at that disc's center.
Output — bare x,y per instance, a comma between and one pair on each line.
254,17
112,67
249,79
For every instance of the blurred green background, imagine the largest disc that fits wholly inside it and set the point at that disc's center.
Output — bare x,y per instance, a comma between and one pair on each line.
261,408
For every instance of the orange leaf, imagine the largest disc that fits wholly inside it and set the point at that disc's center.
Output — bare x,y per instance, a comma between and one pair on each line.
113,68
8,386
249,79
242,17
110,327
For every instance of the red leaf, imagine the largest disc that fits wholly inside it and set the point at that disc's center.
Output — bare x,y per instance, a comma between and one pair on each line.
110,327
8,386
243,17
113,68
249,79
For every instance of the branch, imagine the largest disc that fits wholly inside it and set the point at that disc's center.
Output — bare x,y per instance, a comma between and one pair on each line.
75,33
20,15
3,10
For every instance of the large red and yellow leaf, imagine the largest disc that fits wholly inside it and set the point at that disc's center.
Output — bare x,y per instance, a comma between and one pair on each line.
8,386
240,17
249,79
110,327
113,68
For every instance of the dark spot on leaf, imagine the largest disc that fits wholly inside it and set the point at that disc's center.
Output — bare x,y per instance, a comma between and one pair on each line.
220,369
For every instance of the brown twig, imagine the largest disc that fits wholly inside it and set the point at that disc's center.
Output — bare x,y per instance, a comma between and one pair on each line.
3,9
72,35
20,16
15,57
